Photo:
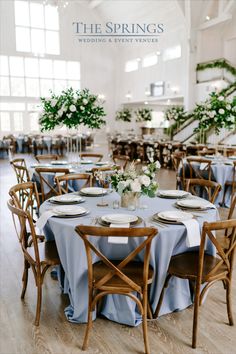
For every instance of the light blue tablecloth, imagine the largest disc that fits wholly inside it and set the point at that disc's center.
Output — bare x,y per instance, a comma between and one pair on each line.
221,172
169,241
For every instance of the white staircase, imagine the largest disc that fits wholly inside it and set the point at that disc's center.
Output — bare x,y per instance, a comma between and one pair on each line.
186,132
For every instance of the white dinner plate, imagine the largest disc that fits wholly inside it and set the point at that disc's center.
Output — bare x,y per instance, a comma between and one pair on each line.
173,193
93,191
119,218
59,162
173,215
66,198
193,203
101,163
233,157
86,162
69,210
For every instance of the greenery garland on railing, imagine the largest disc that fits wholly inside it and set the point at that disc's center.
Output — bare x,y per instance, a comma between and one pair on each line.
219,63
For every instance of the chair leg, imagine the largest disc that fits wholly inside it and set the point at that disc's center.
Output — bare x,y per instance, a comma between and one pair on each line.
195,316
89,326
39,302
229,303
25,279
144,325
156,313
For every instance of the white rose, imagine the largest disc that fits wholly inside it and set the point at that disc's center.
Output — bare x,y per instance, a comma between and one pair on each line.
158,165
72,108
60,112
221,98
69,115
53,102
82,108
135,187
145,180
85,101
221,111
209,105
228,106
211,114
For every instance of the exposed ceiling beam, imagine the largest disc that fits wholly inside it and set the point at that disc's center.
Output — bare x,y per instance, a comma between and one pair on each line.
94,3
215,21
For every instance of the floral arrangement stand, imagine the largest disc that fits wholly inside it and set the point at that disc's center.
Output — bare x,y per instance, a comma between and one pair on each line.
131,184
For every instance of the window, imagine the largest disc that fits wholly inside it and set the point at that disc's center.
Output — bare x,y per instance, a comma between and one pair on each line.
131,65
34,121
149,60
18,121
172,53
37,27
35,77
5,123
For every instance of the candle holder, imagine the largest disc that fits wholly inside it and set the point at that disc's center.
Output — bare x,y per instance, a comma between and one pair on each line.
101,177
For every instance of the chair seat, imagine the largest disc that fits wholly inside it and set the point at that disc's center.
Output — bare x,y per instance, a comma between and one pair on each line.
133,270
47,253
185,266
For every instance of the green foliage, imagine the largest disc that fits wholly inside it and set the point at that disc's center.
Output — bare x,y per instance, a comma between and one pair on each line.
219,63
71,109
124,115
143,115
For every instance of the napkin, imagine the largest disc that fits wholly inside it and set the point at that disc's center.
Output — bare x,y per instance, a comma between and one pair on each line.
193,232
122,240
42,220
203,165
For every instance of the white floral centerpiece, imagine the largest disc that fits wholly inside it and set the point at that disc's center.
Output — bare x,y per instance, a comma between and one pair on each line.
131,184
124,115
143,115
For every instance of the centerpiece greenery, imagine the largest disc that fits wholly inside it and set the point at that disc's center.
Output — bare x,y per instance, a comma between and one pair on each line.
71,109
215,113
124,115
133,184
143,115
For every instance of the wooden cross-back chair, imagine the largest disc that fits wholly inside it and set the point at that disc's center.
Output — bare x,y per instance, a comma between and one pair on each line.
46,157
230,184
30,203
202,268
21,171
121,160
38,255
94,157
109,170
47,176
195,171
63,181
204,152
178,164
203,187
124,276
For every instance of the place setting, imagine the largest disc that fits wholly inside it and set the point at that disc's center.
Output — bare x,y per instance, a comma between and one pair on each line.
194,204
66,199
119,220
94,191
173,194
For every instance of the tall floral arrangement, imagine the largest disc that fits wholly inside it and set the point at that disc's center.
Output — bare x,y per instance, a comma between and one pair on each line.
143,182
143,115
124,115
71,109
215,113
175,113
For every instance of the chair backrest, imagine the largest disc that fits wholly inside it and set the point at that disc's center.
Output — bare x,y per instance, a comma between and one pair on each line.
210,151
225,255
47,180
63,181
177,160
23,222
95,157
196,170
21,171
25,195
198,186
107,170
121,160
232,209
116,270
46,157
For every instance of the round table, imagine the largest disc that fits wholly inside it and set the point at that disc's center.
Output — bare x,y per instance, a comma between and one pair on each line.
170,240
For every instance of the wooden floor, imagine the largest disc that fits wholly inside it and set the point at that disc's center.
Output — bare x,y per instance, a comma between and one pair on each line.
168,334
